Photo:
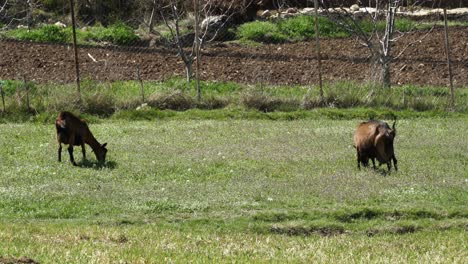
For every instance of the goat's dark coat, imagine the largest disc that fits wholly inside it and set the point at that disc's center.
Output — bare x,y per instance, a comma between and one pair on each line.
374,140
75,132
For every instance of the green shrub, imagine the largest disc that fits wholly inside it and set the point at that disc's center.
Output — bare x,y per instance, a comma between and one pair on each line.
9,87
298,28
100,104
119,34
212,102
303,27
401,24
266,103
404,24
46,33
174,101
260,31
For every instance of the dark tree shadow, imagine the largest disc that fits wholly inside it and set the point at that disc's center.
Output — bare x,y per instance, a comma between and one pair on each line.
383,170
97,165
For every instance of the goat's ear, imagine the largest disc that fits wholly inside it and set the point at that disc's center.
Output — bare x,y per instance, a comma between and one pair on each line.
104,145
394,123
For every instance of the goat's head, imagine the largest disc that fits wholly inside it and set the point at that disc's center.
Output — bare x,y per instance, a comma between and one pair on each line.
101,153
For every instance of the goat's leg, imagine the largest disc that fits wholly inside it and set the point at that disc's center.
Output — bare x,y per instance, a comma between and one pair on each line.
395,162
60,152
71,140
358,160
373,163
70,151
83,149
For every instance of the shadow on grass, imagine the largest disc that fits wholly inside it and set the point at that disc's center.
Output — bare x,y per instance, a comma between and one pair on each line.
383,171
97,165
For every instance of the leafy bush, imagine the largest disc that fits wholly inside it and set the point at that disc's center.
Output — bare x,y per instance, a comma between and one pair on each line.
174,101
303,27
261,31
401,24
266,103
404,24
46,33
212,102
296,28
100,104
299,28
119,34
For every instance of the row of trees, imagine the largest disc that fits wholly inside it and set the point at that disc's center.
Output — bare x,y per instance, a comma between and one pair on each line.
378,43
130,11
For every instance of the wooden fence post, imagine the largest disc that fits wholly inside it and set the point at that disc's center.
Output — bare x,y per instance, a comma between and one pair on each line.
319,56
141,84
77,66
447,49
26,88
3,96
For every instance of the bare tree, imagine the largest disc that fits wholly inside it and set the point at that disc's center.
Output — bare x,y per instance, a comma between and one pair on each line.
378,42
178,39
279,5
3,7
209,20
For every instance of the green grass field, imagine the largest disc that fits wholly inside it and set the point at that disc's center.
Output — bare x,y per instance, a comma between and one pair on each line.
235,191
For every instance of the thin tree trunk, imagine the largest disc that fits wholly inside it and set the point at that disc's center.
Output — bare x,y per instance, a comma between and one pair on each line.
189,71
26,88
151,21
319,55
385,74
197,46
385,57
447,48
77,67
3,97
141,84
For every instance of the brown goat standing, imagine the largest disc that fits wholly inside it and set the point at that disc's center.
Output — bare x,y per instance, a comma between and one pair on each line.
75,132
374,139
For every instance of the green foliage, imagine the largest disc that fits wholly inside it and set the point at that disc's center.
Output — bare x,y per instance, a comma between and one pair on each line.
405,25
291,29
9,87
401,24
54,5
46,33
119,34
299,28
261,32
303,28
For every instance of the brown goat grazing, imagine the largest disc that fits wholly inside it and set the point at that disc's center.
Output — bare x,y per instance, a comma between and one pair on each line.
374,139
75,132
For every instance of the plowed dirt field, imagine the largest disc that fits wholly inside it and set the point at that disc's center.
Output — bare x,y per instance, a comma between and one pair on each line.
423,63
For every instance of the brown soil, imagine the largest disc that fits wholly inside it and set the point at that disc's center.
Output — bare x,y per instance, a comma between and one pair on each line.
294,63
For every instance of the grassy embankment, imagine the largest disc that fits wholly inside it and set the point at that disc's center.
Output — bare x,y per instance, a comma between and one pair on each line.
174,100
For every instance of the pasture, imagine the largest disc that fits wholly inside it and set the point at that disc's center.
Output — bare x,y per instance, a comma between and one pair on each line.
235,191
